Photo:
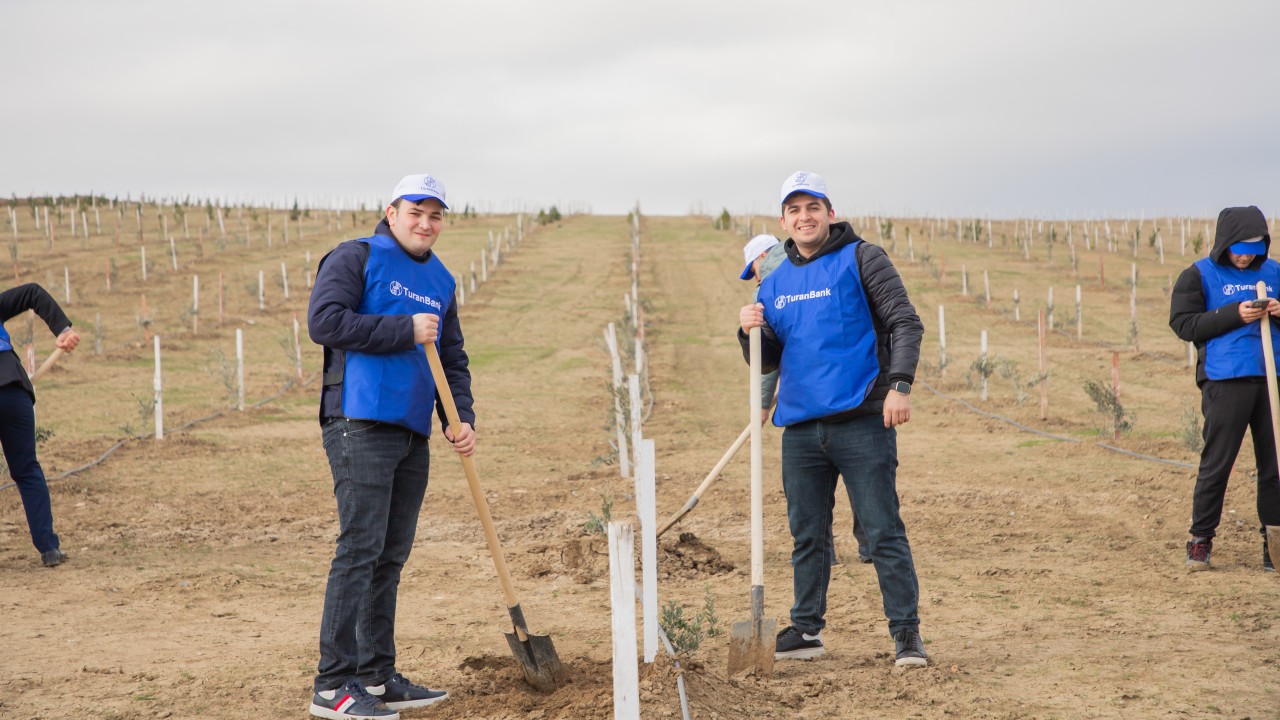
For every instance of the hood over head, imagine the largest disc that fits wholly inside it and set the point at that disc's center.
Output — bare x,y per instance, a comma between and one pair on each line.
1238,225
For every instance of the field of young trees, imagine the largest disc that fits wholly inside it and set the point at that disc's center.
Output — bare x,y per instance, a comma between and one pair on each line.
1045,476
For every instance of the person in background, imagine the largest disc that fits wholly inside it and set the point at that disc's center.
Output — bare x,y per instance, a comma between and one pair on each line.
18,419
1214,305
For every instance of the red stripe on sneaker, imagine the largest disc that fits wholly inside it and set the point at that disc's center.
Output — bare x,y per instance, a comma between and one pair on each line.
347,702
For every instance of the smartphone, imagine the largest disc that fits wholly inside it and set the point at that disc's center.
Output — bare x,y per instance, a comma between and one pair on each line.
1260,303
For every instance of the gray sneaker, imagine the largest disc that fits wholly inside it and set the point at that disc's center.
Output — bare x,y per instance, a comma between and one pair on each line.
53,558
909,648
400,694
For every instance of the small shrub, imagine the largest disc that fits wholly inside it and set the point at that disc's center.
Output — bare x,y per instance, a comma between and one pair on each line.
1119,419
599,524
685,634
1189,432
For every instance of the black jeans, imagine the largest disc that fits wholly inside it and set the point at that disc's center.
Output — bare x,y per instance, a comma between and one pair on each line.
1230,407
379,480
18,438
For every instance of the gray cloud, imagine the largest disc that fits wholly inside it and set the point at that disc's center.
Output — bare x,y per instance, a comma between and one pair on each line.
930,107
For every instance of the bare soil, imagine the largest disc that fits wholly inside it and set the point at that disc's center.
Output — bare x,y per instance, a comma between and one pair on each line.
1051,571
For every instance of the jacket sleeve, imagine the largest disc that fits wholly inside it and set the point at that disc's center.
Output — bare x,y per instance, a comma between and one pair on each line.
896,320
31,296
455,362
770,349
332,319
1188,317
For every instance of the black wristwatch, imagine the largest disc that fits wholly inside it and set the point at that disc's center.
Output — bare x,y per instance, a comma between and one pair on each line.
901,386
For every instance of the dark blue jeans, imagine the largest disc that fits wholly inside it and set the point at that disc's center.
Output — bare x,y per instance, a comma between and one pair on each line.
18,438
865,452
379,480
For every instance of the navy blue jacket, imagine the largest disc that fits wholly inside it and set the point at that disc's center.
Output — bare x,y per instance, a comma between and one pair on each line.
333,322
14,302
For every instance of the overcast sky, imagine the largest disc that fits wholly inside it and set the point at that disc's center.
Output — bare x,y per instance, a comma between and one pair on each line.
1067,109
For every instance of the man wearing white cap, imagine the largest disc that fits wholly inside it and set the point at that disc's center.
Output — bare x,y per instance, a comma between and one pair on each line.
837,322
763,254
376,302
1214,305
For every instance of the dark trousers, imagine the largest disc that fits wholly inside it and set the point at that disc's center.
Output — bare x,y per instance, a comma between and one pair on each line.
379,481
18,438
1230,407
865,452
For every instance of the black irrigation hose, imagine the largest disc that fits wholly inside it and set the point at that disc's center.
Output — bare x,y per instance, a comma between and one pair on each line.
74,471
1042,433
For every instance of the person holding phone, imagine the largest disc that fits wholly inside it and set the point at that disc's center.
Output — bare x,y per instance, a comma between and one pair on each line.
1214,304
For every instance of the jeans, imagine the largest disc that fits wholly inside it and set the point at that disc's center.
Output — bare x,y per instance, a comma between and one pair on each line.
865,452
1230,408
379,481
18,438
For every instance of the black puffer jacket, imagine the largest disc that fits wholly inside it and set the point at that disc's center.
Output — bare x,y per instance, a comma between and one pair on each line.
1187,315
898,327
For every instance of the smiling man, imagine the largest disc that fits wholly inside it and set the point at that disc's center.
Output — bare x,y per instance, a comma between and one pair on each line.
837,323
376,302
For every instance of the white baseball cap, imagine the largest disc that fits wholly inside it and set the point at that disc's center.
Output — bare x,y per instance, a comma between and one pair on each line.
754,248
805,182
416,188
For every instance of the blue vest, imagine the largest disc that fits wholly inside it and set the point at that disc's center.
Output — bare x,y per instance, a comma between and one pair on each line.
396,387
821,316
1237,353
5,343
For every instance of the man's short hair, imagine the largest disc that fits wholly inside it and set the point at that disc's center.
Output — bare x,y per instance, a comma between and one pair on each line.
825,201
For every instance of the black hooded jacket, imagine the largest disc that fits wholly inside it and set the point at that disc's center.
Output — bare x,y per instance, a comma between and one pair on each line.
1187,314
898,327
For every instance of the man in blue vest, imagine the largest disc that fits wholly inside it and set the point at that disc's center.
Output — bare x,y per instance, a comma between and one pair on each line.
376,302
837,323
763,254
1214,305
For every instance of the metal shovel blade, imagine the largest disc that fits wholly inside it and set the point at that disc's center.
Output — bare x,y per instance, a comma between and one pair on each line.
751,646
538,660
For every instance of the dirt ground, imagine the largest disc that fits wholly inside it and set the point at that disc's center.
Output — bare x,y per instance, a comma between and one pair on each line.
1050,570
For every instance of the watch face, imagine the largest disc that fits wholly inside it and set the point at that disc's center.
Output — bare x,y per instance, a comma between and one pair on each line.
902,387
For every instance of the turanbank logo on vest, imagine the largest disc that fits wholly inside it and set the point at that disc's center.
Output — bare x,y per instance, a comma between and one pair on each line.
1231,289
397,289
782,300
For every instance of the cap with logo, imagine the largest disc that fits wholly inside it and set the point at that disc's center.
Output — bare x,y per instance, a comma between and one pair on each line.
754,248
1252,246
804,182
416,188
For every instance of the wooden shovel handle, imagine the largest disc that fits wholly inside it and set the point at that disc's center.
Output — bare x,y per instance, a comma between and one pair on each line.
1269,361
48,363
473,482
757,463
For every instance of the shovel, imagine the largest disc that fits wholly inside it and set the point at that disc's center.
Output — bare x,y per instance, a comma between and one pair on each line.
752,643
536,653
1269,360
48,363
711,477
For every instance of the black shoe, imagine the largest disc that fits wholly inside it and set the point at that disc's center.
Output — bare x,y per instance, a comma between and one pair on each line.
400,694
53,558
349,702
795,645
1198,551
864,554
1266,557
909,649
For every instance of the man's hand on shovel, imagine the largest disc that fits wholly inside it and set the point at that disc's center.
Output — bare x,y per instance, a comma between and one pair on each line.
465,442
